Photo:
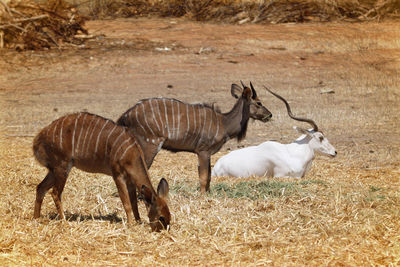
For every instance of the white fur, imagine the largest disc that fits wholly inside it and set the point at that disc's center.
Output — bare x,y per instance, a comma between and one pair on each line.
275,159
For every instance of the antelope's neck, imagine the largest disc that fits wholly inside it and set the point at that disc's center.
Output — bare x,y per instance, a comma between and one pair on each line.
303,150
232,119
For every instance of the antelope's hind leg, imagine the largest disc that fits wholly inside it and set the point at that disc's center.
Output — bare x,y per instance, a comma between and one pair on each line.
61,174
55,178
41,191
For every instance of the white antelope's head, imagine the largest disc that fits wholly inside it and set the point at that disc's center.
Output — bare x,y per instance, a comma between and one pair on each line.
318,141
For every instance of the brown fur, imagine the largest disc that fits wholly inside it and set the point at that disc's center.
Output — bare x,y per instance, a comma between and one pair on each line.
95,144
177,126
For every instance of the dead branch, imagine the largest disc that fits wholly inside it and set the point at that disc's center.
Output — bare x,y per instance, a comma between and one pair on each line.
4,26
32,18
1,39
6,7
40,25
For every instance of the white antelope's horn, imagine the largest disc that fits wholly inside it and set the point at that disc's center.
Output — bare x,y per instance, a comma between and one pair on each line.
313,124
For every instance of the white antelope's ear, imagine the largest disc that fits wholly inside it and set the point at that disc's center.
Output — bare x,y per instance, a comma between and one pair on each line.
301,130
163,188
236,90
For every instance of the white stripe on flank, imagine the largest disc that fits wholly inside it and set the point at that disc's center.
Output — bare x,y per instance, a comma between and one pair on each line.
154,117
126,150
80,133
188,124
209,127
145,120
86,134
116,152
91,134
216,134
138,122
116,140
109,134
202,133
61,133
73,135
98,136
54,130
173,119
159,115
179,122
166,117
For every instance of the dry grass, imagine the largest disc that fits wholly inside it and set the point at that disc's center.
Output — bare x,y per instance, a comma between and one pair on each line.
345,212
347,217
244,11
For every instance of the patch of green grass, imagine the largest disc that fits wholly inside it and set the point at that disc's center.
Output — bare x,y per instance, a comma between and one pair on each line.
308,182
373,194
254,190
183,189
251,189
374,189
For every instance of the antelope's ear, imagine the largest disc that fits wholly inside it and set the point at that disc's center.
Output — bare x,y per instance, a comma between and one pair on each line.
236,90
147,194
163,188
247,93
301,130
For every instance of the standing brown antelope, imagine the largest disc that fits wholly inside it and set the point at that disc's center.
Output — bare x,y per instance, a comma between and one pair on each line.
98,145
176,126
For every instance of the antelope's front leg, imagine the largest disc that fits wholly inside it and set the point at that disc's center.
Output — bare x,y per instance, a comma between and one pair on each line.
133,198
123,192
204,169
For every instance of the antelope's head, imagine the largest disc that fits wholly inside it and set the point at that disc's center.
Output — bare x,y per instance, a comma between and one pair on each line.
257,110
157,207
317,140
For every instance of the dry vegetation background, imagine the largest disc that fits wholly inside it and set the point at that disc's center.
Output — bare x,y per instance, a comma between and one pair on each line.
345,212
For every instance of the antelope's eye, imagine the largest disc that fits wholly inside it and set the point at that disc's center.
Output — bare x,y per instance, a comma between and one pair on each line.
162,220
321,138
259,103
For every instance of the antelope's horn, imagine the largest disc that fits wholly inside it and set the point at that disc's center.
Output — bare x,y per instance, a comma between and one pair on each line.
244,86
313,124
253,90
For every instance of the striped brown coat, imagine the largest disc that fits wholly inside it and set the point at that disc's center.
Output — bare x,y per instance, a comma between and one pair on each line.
98,145
177,126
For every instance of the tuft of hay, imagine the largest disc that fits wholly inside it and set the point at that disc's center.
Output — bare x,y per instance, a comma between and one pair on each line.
26,25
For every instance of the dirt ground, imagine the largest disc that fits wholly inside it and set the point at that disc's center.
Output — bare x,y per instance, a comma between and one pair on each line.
344,76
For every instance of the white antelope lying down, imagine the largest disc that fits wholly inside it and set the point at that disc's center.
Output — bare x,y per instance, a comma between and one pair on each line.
276,159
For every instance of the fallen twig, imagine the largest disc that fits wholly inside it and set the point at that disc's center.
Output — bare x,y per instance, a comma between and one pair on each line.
4,26
31,18
6,7
1,39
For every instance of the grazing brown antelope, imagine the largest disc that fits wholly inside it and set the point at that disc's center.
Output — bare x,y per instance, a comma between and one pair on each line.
177,126
94,144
